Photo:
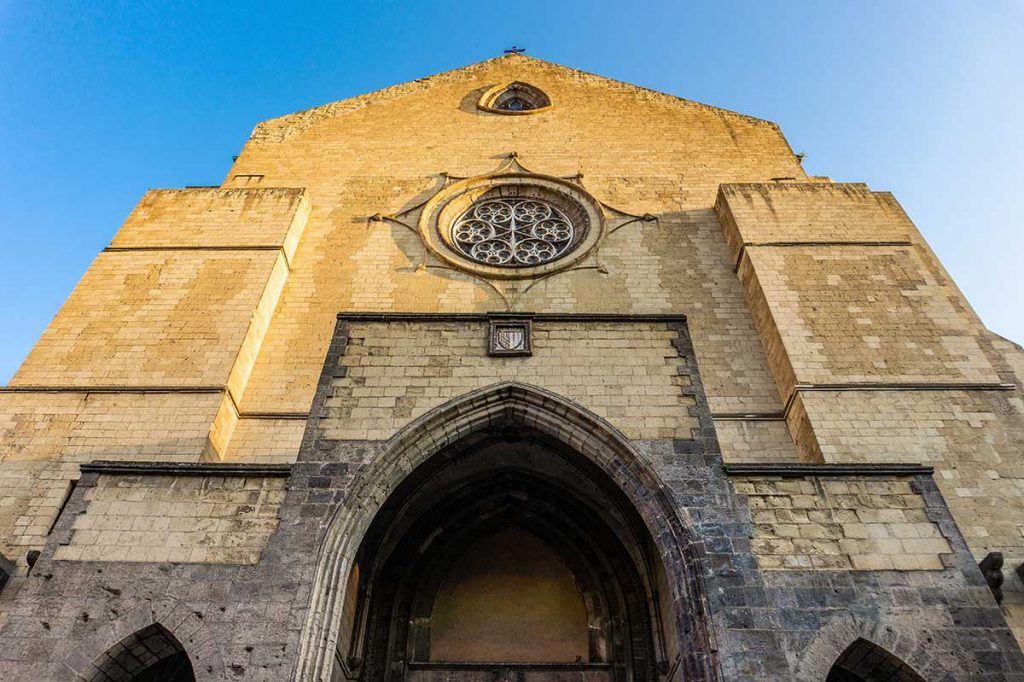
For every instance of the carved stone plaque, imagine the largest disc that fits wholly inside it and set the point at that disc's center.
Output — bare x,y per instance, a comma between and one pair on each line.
509,337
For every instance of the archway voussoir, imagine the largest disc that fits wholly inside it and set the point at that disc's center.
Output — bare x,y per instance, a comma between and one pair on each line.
507,403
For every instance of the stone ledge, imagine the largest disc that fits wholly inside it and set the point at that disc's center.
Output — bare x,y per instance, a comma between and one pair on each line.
185,469
786,470
908,386
483,317
107,388
186,247
483,665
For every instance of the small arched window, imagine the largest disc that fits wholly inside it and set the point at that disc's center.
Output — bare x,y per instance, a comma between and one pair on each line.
514,98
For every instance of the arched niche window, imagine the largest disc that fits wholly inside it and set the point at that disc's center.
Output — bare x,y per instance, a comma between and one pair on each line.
514,98
864,661
151,654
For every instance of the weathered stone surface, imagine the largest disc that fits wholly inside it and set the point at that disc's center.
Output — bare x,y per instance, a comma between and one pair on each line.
249,622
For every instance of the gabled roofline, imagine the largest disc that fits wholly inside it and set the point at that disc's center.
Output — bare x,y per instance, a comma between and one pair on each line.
282,127
634,86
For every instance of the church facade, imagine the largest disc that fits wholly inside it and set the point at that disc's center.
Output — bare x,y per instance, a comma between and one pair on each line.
514,373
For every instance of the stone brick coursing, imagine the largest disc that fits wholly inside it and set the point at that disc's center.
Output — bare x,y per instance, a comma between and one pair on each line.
210,217
151,318
244,621
82,426
397,371
175,519
877,354
844,523
859,314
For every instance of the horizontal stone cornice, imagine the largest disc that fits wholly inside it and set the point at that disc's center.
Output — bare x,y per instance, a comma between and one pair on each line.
185,469
787,470
483,317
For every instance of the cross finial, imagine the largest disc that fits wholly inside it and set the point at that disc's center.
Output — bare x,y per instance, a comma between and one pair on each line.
515,49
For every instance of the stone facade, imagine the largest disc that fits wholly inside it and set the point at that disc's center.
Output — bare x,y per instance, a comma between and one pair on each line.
246,388
171,518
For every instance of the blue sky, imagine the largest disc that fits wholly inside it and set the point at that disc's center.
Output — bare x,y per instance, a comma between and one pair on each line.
100,101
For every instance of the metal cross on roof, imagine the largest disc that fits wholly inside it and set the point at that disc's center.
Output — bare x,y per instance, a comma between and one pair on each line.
515,49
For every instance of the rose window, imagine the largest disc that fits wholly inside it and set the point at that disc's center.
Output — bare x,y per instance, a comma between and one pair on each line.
513,232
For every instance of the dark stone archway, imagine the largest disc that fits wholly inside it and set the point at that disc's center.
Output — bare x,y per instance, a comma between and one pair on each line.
477,491
655,585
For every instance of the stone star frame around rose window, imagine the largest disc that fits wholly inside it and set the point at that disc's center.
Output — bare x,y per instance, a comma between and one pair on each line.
434,218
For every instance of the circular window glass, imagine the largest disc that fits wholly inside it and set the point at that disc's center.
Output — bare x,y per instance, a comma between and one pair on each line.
513,232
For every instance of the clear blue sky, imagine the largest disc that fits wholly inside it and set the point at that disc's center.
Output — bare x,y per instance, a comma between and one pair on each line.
100,101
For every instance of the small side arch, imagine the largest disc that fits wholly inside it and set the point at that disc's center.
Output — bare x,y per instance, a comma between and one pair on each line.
151,654
147,635
497,407
888,642
865,661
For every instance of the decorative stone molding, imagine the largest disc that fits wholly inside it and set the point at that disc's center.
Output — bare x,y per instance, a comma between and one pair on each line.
442,211
227,469
796,470
433,218
514,99
509,336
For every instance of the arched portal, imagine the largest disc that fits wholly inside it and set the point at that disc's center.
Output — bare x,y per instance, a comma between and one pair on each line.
151,654
505,553
505,488
864,661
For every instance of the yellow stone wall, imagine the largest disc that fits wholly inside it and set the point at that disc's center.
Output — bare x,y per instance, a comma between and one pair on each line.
30,494
639,151
878,356
84,425
627,373
175,518
153,349
841,523
151,318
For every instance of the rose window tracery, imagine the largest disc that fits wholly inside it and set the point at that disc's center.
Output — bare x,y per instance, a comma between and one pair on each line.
513,232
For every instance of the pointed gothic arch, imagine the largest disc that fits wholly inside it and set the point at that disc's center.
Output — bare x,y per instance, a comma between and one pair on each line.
150,654
865,661
168,619
513,411
515,98
848,644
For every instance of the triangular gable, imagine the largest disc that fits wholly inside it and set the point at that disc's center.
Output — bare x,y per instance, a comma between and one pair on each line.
281,128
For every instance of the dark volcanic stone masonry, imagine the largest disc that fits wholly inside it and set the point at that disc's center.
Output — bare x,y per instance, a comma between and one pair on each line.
247,621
